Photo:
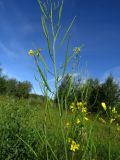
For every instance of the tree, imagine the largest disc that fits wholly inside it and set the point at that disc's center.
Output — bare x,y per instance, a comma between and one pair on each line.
0,72
11,87
95,96
111,91
23,89
2,83
64,90
108,92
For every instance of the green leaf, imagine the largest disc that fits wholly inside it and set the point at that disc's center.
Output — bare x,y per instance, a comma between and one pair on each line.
28,146
60,13
66,33
42,75
66,58
42,9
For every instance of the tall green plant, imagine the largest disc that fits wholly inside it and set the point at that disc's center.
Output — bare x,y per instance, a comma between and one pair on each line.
49,25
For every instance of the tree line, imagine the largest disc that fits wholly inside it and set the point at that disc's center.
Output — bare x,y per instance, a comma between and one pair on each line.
91,91
13,87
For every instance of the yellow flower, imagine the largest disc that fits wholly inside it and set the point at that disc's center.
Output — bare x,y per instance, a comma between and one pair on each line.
72,108
31,52
84,109
79,105
67,124
104,106
78,121
102,120
85,118
76,50
111,120
114,110
74,146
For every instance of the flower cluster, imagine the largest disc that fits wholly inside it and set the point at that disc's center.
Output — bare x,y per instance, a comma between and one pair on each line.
76,50
114,110
73,107
79,106
112,113
73,145
37,52
31,52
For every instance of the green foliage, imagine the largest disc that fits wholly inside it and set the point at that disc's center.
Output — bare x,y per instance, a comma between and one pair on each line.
65,90
91,91
12,87
108,92
2,85
22,133
0,72
23,89
111,91
12,125
96,95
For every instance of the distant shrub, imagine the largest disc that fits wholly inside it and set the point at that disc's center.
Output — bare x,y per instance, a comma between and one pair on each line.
91,91
12,87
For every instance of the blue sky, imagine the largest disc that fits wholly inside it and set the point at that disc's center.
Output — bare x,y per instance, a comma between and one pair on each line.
97,26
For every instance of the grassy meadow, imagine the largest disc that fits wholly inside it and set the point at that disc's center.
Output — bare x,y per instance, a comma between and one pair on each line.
23,136
81,123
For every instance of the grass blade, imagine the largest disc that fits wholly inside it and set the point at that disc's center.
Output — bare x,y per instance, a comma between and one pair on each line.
60,13
28,146
45,29
66,33
42,75
51,18
41,7
45,64
66,58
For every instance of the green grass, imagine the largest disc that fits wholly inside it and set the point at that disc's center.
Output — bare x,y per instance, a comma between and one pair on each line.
22,133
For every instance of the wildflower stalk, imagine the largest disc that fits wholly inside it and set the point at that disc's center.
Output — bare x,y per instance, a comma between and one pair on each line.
89,138
31,149
51,43
111,115
109,143
73,155
59,105
109,127
45,125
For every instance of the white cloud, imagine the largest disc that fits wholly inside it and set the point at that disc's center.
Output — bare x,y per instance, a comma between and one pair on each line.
115,71
52,80
74,75
7,51
11,74
29,27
